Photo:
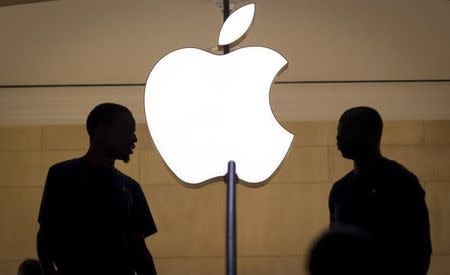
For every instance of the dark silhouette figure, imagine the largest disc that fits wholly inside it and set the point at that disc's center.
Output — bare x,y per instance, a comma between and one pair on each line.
380,197
30,267
94,219
342,251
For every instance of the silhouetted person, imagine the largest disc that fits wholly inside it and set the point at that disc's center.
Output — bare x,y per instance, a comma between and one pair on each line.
30,267
342,251
380,197
94,219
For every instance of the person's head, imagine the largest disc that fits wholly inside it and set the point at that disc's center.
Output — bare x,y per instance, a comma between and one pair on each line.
30,267
111,128
359,132
342,251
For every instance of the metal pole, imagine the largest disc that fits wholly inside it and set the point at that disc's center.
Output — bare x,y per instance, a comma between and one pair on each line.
231,180
226,13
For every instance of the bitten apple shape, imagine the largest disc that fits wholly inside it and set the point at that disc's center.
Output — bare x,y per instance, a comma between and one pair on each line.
204,110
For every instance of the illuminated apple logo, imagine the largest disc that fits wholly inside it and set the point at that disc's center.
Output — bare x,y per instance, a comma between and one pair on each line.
204,110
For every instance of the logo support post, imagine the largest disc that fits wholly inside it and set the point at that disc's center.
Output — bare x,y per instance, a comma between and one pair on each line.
231,180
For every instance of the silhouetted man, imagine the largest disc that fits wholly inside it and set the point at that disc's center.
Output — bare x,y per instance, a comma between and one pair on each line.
380,197
94,219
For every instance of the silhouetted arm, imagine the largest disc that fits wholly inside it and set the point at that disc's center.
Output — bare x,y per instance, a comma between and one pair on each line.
424,240
418,232
49,206
414,230
44,252
144,264
144,226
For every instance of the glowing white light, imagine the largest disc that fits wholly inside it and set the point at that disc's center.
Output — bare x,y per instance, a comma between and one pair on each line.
204,110
236,25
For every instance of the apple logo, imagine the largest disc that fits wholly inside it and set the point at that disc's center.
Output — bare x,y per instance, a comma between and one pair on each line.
204,110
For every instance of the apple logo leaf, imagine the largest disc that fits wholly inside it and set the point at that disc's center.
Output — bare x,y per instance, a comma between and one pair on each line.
236,25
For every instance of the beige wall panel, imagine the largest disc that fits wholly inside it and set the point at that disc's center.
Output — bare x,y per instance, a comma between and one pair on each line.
438,202
22,138
289,265
153,170
403,132
191,222
308,133
19,208
21,168
272,220
303,164
440,265
338,166
190,266
66,137
280,219
143,136
9,267
429,163
333,124
437,132
394,101
65,106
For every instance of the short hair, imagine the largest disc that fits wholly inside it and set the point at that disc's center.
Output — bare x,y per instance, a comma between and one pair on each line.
103,113
30,267
367,117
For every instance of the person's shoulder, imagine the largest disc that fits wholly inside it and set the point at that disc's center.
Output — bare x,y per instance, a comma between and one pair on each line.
402,177
398,171
66,165
342,183
125,179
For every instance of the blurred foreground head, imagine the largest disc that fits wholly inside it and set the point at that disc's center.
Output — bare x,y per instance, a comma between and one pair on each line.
30,267
343,251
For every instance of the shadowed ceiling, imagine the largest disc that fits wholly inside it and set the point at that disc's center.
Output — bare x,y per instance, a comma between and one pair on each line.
99,41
